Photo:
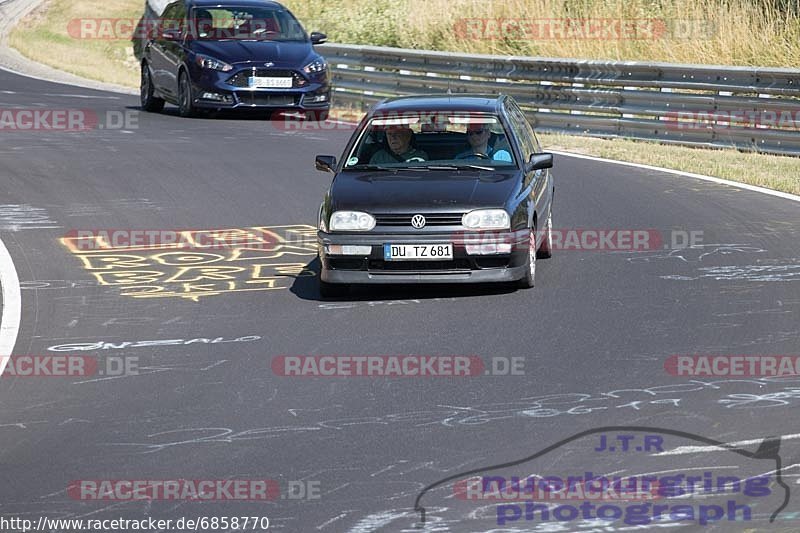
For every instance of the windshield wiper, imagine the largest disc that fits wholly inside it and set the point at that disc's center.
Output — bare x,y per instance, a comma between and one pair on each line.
457,167
476,167
367,167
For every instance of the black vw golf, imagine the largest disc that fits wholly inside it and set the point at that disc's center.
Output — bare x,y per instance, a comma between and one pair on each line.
228,54
437,189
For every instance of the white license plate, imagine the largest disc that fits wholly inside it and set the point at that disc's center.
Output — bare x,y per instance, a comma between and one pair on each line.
257,82
417,252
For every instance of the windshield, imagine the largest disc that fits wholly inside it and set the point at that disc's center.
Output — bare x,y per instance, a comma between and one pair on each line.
430,140
245,23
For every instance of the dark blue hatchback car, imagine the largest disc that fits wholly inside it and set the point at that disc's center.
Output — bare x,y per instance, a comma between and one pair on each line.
217,54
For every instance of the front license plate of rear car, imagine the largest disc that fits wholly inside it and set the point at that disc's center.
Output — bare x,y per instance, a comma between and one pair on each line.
417,252
269,83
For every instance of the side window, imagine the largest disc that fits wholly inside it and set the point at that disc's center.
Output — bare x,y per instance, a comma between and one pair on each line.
293,26
180,16
530,142
531,136
536,142
173,16
515,132
523,132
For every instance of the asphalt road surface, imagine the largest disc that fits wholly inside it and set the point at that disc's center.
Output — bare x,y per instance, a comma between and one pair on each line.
359,453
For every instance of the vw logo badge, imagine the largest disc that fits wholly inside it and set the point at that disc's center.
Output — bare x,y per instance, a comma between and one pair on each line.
418,221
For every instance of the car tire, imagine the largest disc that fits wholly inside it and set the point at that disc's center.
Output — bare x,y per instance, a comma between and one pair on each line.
546,249
333,290
186,107
317,116
528,280
149,101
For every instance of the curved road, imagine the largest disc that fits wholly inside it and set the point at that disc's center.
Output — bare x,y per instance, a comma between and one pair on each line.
593,335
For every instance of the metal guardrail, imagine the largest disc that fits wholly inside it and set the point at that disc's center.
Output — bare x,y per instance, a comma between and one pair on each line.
663,102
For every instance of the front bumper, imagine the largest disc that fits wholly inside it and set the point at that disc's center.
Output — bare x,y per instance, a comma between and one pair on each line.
213,89
463,268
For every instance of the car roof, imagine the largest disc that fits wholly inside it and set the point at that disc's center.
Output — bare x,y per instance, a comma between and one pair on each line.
477,103
244,3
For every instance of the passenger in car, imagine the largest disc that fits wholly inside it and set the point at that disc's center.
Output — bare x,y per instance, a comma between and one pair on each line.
478,137
399,141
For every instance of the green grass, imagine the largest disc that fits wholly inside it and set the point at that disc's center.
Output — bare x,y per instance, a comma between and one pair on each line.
732,32
773,172
43,37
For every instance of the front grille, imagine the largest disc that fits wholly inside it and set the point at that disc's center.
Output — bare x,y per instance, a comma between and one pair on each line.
433,219
456,264
240,78
261,99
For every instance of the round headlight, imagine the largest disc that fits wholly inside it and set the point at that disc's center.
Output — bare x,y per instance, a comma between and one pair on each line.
352,221
486,219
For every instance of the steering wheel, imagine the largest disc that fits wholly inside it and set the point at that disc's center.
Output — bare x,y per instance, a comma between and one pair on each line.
415,159
481,155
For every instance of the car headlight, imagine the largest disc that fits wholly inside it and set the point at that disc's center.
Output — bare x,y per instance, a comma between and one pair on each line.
486,219
352,221
315,67
212,63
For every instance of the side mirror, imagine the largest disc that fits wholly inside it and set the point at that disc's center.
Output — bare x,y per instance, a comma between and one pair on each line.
325,163
539,162
318,38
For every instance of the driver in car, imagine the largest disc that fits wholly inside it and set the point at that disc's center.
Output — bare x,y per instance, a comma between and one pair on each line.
478,136
204,23
400,149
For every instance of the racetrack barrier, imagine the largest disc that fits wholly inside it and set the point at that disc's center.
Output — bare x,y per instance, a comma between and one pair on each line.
747,108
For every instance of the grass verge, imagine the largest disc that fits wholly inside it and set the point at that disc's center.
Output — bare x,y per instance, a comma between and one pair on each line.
729,32
44,37
773,172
